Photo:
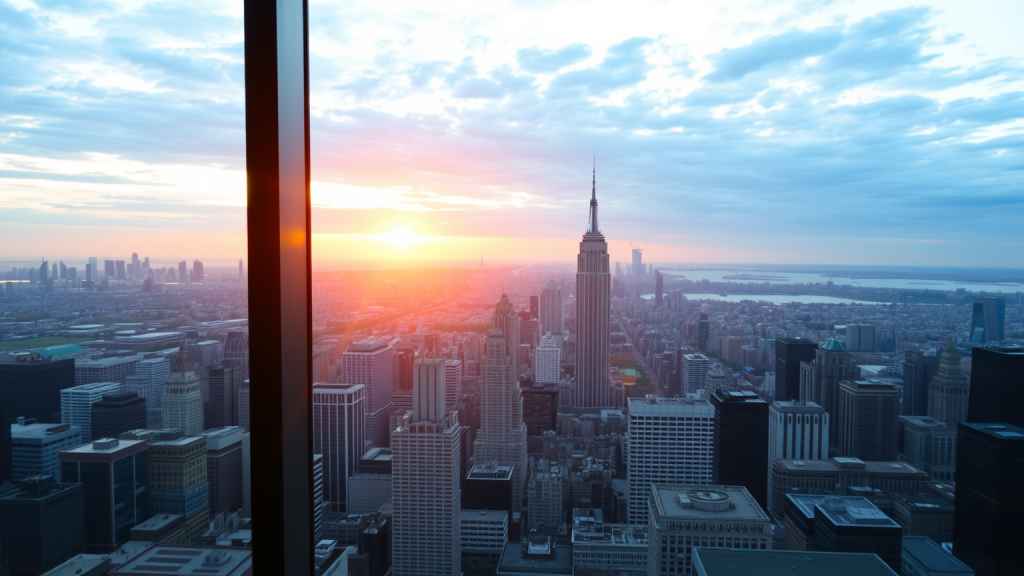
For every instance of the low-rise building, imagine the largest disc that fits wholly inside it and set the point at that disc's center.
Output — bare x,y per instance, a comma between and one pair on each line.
923,557
163,560
535,556
484,531
923,514
614,547
684,516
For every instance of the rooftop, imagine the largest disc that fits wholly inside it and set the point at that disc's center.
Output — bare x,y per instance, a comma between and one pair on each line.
183,560
105,362
1000,431
157,522
932,556
730,562
82,565
853,511
41,430
796,406
923,501
490,516
513,561
669,407
679,501
842,463
922,421
490,471
105,446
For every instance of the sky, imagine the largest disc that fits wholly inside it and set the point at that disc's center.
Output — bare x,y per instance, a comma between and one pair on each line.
888,133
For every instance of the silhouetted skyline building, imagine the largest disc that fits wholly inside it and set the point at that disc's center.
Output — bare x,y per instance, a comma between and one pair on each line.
997,385
789,353
116,413
987,528
741,442
918,370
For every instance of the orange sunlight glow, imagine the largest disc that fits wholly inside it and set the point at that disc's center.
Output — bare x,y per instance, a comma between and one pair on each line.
400,237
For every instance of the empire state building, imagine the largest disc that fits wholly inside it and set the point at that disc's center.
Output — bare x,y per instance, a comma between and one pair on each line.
593,315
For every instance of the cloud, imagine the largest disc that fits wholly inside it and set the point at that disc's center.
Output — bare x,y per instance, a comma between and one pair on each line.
542,61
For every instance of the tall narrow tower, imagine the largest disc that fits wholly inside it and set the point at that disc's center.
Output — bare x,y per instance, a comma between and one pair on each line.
183,399
949,390
593,314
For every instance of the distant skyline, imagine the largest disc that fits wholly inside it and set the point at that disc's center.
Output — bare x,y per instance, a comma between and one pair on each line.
871,133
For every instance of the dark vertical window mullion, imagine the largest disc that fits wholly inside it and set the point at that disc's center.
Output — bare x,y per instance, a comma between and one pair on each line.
280,307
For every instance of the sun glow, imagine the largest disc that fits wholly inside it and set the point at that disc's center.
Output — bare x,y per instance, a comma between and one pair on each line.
400,237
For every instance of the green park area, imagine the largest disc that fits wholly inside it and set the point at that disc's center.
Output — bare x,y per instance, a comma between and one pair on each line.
40,342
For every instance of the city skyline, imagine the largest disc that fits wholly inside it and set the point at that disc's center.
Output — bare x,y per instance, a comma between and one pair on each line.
908,111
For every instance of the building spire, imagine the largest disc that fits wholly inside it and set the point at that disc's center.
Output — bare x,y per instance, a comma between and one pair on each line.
592,227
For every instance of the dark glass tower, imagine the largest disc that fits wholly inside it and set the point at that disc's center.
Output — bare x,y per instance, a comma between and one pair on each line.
789,353
989,497
997,386
593,315
988,319
659,288
117,413
741,442
918,370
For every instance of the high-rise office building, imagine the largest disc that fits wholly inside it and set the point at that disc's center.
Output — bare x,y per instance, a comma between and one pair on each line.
534,307
136,268
593,316
318,485
338,426
35,447
930,445
653,458
860,337
918,370
114,475
659,288
224,468
547,361
868,420
178,479
741,442
502,434
241,275
197,271
796,431
789,353
453,383
182,271
371,363
117,412
988,320
820,378
120,271
63,271
42,525
989,500
183,398
243,405
552,314
109,271
638,264
686,516
703,331
149,381
694,370
93,269
225,381
30,385
426,495
997,385
44,272
948,391
76,404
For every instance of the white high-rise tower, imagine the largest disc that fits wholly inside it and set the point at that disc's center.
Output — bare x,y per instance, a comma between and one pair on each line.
593,315
425,494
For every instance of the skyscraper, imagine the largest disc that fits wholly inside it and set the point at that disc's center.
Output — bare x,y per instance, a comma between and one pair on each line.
236,347
789,353
694,372
224,468
371,363
659,287
116,413
183,399
109,270
687,458
240,269
426,496
224,382
868,418
997,385
638,264
820,378
703,331
552,316
76,404
197,271
741,442
534,307
136,269
92,269
593,315
988,319
178,480
114,474
948,392
182,271
796,431
987,530
453,383
547,361
119,266
918,370
338,424
502,434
